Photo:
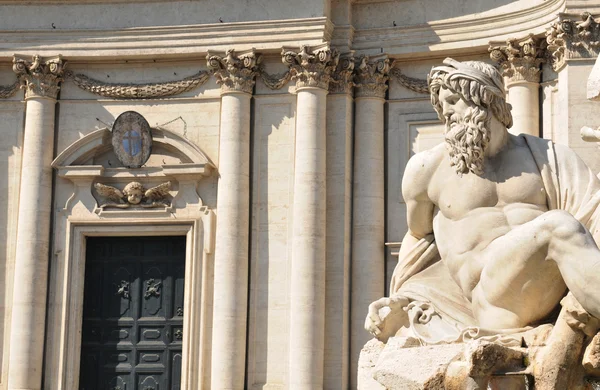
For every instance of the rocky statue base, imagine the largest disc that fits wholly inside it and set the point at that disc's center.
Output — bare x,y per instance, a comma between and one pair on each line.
565,355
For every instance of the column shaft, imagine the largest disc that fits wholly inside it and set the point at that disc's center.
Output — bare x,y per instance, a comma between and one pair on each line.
307,306
368,264
31,259
231,251
524,98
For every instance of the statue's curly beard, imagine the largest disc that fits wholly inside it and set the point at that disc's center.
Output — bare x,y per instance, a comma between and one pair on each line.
466,139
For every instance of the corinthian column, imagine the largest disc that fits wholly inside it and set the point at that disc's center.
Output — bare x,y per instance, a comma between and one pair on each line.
311,68
368,255
520,62
40,78
236,74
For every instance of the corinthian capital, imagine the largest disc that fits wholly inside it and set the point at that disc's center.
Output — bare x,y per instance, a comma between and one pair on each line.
343,75
567,38
519,59
39,77
311,66
235,72
371,76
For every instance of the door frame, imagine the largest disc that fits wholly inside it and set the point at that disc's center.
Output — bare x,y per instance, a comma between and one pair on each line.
63,343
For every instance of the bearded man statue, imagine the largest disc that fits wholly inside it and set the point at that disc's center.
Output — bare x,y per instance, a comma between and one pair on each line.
500,227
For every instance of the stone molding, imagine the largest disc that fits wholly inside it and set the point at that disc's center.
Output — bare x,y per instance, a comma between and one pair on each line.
520,59
7,91
342,78
371,76
411,83
137,91
567,38
312,66
235,72
39,77
276,81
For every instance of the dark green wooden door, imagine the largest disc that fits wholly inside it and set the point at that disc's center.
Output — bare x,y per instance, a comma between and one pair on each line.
133,313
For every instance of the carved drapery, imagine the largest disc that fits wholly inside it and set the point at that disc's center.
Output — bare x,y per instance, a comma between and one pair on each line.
39,77
568,38
520,59
311,66
137,91
235,72
371,76
342,78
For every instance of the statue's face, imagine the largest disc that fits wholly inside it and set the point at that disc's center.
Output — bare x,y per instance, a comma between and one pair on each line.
454,107
134,196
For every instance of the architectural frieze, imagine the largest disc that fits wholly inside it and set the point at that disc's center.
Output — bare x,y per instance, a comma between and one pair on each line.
235,71
520,59
311,66
137,91
342,78
371,76
39,77
567,38
276,81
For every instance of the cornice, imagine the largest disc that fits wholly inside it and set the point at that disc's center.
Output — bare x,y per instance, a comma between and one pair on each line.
455,34
167,42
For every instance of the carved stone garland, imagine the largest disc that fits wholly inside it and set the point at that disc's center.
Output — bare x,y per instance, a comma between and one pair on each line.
371,76
138,91
235,72
38,77
311,66
568,38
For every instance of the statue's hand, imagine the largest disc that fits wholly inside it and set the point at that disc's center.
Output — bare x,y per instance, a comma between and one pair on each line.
383,328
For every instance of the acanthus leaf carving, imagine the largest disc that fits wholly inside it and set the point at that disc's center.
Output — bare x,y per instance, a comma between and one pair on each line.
235,71
39,77
567,38
311,66
342,78
137,91
520,59
371,76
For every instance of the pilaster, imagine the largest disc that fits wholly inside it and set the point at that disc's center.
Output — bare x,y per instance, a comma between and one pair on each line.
40,78
236,73
368,216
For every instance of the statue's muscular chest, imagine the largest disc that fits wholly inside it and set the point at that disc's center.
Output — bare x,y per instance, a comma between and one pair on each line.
503,183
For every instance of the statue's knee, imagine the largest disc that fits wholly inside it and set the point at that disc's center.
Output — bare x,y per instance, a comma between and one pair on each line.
561,224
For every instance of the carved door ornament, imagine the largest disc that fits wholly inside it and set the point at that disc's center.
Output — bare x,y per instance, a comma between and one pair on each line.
123,289
132,139
152,289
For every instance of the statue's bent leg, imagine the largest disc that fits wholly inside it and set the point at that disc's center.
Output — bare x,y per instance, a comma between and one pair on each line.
518,284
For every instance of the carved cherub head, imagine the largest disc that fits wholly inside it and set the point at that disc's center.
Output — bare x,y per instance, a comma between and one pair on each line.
134,192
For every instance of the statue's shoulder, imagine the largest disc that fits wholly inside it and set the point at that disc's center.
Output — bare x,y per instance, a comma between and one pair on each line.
420,169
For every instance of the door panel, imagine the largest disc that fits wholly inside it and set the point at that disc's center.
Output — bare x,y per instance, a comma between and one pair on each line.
133,313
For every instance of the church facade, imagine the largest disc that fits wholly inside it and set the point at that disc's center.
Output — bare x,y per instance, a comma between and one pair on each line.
207,195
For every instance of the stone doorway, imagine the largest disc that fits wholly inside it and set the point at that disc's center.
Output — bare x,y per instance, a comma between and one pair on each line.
132,332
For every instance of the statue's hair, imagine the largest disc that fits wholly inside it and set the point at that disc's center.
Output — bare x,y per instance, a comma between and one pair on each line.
134,185
471,90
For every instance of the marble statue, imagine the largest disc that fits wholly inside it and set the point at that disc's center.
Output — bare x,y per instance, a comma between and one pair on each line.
500,228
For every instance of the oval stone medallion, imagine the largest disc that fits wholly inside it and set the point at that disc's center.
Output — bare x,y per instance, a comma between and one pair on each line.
132,139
